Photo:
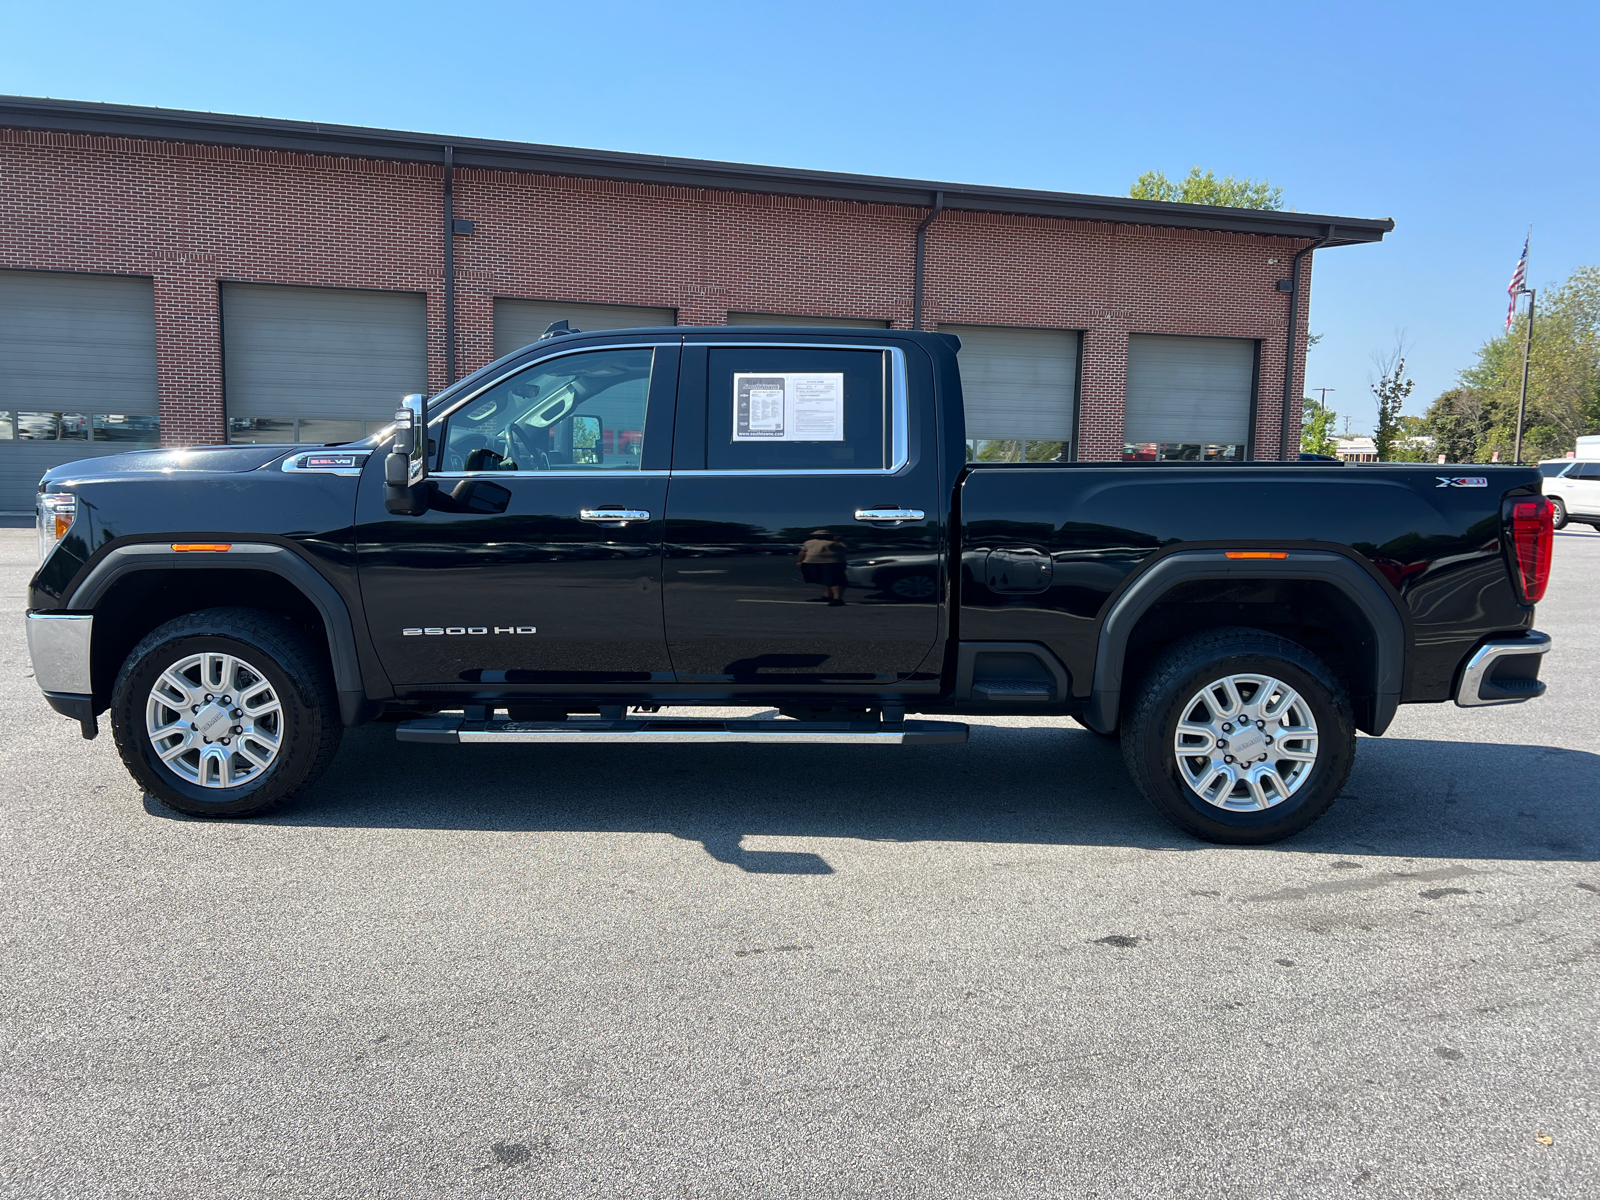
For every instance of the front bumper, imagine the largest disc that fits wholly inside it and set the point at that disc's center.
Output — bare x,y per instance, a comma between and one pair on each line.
59,645
1504,671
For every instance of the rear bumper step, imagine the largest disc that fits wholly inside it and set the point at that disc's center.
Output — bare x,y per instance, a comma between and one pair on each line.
454,731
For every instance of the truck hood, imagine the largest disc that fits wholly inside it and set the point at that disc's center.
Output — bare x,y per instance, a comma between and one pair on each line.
213,460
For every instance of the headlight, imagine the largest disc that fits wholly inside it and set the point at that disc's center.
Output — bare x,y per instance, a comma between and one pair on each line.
56,512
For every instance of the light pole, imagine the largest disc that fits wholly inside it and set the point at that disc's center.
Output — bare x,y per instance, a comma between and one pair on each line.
1527,349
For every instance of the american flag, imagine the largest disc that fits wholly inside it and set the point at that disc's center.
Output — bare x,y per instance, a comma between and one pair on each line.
1519,280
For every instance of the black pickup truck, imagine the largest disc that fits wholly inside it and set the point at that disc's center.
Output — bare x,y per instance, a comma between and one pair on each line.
601,525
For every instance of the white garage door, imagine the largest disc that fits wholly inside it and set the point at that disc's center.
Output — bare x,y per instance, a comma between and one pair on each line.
1020,386
1188,398
518,323
755,318
77,373
319,364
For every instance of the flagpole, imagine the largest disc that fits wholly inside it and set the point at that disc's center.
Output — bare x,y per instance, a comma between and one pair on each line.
1527,347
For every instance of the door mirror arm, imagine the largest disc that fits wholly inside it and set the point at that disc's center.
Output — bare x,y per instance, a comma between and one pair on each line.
405,470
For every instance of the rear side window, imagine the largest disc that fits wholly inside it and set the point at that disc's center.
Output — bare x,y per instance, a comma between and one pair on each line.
1551,469
794,408
1586,471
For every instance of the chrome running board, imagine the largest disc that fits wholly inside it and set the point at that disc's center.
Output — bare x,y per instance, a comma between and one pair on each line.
457,731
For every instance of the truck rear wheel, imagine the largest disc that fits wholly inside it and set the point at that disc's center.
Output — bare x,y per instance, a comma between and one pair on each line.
1240,737
225,712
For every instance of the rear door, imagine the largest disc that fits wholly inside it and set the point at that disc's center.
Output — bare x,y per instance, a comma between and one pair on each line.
805,520
538,564
1582,491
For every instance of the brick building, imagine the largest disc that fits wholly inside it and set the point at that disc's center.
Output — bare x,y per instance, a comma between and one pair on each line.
191,277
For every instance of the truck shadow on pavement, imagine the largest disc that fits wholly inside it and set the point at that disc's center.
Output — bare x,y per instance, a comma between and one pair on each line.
1010,785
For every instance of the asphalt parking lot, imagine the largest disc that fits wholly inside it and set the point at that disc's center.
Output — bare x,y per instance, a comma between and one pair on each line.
977,971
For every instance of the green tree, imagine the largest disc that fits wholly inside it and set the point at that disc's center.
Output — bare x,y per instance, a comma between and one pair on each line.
1316,430
1458,423
1563,378
1391,389
1203,187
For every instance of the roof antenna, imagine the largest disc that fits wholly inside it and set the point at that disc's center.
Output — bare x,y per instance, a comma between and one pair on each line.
557,329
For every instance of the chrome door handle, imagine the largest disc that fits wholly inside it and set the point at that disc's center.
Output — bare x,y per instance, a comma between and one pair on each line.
613,516
889,514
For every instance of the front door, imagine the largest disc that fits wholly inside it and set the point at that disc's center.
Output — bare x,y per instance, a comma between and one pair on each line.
538,562
792,557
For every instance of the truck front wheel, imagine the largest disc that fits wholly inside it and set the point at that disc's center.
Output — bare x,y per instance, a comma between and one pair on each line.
225,712
1240,737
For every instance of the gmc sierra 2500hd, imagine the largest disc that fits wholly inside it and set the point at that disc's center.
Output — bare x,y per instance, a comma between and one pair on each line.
627,520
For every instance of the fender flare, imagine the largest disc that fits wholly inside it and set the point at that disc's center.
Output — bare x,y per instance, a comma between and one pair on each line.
246,556
1324,566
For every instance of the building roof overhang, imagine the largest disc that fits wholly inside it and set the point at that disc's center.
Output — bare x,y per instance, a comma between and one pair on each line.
178,125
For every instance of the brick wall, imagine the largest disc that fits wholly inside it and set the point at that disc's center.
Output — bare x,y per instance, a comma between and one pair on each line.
191,216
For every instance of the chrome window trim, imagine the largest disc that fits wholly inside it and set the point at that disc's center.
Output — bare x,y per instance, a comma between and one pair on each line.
595,474
528,366
899,414
499,379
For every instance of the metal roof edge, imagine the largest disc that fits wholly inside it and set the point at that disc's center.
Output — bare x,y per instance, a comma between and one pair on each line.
270,133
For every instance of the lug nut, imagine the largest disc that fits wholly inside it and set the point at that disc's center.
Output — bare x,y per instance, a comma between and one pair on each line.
224,741
195,708
1269,739
1261,724
227,699
1227,758
209,697
1226,727
237,713
1222,744
192,725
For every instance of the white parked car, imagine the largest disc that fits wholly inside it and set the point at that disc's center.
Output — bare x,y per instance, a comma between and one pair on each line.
1573,486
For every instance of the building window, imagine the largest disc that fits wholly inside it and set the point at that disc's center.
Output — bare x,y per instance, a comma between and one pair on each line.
1210,452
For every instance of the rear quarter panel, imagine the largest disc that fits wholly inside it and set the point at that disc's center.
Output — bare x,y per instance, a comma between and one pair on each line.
1435,549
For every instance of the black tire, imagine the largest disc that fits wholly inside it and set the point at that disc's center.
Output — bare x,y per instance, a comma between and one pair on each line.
306,725
1558,513
1177,678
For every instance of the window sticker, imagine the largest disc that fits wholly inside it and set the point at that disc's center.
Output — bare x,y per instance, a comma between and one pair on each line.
788,407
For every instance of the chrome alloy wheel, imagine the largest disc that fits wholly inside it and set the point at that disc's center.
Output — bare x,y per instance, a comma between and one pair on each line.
214,720
1246,742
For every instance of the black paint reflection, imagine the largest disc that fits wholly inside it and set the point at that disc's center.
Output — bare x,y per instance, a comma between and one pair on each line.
755,592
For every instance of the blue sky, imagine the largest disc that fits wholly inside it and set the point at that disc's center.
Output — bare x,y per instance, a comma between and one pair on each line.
1466,123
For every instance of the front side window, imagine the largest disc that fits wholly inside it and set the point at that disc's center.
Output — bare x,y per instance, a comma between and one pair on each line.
579,412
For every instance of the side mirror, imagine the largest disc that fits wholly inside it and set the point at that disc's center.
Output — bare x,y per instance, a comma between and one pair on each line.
405,470
588,441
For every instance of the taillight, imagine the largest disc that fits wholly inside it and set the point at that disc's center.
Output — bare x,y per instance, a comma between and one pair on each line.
1532,536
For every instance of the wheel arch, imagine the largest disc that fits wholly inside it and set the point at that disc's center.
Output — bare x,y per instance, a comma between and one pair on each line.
1366,626
128,593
